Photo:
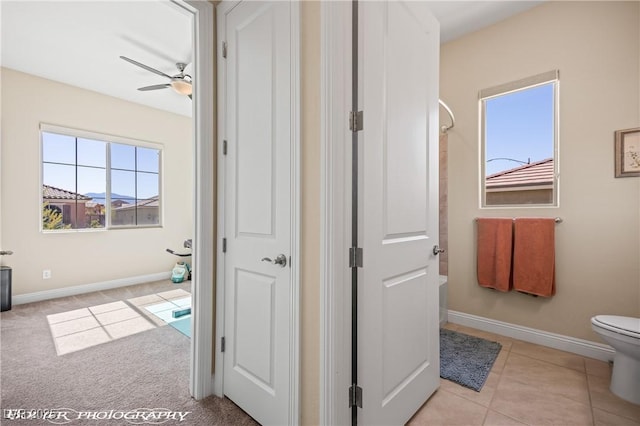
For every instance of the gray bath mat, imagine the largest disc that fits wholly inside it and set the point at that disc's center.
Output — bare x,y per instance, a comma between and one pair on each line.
466,359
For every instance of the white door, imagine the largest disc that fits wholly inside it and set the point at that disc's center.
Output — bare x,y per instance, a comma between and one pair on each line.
258,127
398,335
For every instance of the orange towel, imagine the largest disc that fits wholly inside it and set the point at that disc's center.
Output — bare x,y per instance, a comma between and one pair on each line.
534,256
494,253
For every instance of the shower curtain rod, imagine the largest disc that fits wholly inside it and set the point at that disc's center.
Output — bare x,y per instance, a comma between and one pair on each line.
444,127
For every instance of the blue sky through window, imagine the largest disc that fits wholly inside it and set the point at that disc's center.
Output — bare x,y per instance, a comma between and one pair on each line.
133,173
519,126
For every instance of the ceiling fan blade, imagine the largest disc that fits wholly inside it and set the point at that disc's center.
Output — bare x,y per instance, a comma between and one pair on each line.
146,67
154,87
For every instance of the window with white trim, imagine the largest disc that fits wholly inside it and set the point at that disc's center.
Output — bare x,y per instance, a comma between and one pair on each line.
519,142
94,181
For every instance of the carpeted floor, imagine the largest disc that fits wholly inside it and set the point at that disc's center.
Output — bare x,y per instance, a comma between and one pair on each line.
147,370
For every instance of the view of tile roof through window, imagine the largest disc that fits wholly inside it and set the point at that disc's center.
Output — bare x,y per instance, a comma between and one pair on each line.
53,193
151,202
538,173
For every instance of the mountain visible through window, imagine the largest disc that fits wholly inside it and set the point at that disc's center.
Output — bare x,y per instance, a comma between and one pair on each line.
92,183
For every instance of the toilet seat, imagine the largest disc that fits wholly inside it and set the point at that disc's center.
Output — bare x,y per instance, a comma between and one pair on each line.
627,326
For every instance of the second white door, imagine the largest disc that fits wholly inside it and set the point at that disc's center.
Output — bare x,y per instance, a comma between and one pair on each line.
258,130
398,338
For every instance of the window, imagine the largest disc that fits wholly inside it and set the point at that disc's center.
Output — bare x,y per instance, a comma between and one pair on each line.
98,181
519,142
134,185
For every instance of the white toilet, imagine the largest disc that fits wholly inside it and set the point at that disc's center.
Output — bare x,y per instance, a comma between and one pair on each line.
623,334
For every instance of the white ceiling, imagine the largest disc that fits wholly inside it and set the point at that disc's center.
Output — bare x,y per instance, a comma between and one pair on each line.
79,42
458,18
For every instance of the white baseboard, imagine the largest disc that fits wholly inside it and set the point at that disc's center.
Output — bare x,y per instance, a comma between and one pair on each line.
557,341
87,288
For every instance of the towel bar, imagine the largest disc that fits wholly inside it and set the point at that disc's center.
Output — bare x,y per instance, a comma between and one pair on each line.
557,219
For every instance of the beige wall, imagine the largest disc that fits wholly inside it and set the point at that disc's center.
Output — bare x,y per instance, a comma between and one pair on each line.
77,258
310,234
596,47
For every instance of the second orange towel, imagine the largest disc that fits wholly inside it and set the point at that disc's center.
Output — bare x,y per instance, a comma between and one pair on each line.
534,256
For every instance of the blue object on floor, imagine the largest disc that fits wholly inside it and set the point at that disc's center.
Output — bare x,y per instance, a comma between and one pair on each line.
183,326
163,311
180,272
177,313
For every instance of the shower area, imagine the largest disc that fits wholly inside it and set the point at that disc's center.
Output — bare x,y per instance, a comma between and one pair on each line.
443,210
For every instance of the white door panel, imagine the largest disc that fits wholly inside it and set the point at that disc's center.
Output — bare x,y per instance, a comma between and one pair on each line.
398,339
258,204
254,318
252,49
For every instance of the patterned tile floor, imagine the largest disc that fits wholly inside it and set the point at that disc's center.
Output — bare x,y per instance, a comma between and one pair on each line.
531,385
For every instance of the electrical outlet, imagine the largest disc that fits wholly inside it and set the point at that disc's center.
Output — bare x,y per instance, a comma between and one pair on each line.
46,274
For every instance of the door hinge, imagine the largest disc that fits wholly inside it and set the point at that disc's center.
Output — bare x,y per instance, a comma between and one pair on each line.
224,147
224,49
356,121
355,396
223,344
224,245
355,257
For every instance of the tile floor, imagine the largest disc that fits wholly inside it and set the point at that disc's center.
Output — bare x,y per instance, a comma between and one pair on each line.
530,385
82,328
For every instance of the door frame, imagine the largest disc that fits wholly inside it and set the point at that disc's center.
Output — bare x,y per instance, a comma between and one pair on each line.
335,281
200,371
294,314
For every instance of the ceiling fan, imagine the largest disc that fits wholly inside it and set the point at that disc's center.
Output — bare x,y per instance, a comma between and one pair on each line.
180,82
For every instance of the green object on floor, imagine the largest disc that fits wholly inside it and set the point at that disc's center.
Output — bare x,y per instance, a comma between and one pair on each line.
183,326
177,313
179,272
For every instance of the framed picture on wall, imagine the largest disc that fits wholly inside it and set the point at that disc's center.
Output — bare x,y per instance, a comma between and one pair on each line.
627,152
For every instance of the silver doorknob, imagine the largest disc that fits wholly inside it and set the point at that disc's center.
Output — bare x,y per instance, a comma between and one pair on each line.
281,260
437,250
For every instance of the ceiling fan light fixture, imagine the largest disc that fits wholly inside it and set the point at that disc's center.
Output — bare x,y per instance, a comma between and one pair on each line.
182,87
181,82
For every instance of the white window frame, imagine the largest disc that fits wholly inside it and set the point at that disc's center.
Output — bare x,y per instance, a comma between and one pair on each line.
548,77
108,139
